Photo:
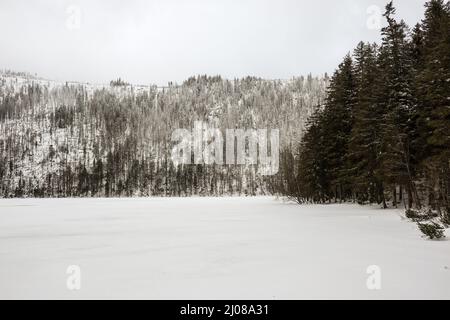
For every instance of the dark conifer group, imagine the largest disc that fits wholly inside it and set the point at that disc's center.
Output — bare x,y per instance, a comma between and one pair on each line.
383,133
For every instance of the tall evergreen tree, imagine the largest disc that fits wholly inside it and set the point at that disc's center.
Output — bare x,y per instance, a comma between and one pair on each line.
365,138
337,122
398,128
433,95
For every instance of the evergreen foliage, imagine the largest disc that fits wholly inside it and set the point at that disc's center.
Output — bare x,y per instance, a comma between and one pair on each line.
383,133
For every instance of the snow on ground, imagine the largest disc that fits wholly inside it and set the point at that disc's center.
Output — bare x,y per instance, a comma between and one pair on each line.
214,248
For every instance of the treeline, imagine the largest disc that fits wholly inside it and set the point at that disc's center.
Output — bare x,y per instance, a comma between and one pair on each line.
383,134
63,140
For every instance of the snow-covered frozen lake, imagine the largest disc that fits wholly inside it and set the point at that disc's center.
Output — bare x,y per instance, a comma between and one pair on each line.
214,248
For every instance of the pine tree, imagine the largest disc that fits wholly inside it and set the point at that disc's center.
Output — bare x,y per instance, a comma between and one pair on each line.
365,138
337,124
433,94
312,180
398,128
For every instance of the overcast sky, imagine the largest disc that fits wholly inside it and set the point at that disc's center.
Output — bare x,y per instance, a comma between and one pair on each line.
156,41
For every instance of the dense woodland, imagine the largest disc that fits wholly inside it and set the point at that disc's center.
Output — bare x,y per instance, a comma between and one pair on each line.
383,134
377,132
82,140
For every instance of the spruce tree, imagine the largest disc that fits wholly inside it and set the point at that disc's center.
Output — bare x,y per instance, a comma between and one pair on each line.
433,94
398,128
337,122
365,137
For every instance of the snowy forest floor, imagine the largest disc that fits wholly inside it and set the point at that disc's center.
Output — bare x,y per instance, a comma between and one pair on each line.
214,248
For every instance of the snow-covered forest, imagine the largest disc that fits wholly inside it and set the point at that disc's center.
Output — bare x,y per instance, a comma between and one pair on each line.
93,204
72,139
383,135
376,132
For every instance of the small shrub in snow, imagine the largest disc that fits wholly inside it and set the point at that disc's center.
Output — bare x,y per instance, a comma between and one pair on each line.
422,215
432,230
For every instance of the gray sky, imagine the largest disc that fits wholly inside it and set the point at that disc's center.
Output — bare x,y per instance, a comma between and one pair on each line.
156,41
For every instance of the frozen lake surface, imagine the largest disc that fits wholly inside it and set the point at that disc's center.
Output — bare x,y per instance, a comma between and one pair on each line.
214,248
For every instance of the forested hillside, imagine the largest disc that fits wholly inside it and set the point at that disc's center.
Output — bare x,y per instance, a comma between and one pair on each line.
383,135
71,139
